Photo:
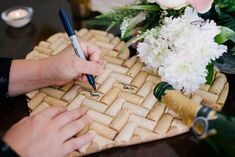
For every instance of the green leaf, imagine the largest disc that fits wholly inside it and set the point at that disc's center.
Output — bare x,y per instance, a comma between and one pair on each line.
225,18
100,22
228,5
132,28
233,51
142,7
225,35
210,75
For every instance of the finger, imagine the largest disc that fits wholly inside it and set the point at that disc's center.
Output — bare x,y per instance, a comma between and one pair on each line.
91,51
88,67
67,117
96,57
50,112
77,143
84,78
78,77
74,127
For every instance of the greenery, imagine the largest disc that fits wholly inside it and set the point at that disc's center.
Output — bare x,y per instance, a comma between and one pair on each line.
222,12
210,75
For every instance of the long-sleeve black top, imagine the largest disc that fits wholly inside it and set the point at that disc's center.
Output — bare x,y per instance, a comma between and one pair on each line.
5,64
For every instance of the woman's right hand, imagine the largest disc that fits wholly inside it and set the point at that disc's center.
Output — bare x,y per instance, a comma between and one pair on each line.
49,133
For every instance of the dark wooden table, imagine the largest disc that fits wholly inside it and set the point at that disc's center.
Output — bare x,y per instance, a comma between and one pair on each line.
17,43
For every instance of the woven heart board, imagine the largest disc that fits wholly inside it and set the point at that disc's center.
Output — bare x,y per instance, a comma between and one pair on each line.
123,108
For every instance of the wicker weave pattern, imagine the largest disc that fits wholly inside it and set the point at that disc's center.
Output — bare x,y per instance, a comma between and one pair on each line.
123,108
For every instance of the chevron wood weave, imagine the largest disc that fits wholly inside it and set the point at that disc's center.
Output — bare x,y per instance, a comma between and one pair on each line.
123,109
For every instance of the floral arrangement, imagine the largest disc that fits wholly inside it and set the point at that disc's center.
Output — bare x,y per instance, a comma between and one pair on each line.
181,39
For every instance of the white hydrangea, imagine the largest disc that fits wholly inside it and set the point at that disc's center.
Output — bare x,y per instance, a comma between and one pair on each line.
182,49
182,73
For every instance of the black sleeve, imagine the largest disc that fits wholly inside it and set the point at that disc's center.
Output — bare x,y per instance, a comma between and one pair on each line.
6,151
5,65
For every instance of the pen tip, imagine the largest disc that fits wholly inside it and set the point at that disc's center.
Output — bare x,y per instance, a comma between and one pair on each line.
94,87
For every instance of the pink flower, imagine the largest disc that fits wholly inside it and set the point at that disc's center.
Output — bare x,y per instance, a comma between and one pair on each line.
169,4
201,6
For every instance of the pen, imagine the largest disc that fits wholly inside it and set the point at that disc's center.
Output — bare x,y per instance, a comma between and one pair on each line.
76,46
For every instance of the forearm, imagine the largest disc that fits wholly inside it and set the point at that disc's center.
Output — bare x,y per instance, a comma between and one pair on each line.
27,75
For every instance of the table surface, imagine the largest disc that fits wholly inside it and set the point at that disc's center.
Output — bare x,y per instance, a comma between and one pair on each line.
17,43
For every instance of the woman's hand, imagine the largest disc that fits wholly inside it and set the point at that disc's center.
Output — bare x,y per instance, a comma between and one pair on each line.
67,65
49,133
27,75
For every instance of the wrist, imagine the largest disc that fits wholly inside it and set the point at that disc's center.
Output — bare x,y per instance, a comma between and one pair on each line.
27,75
47,71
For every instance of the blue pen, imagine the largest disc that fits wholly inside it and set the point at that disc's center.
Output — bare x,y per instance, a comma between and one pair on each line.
76,46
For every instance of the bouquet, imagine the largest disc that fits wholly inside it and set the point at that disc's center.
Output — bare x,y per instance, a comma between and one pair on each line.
181,39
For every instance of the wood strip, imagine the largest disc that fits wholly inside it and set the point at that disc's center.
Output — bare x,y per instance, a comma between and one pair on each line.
109,52
113,60
136,109
99,117
103,130
157,112
82,32
56,93
101,78
107,85
135,69
139,79
149,101
218,85
71,94
143,122
126,133
36,100
164,124
131,97
120,120
115,107
125,87
210,97
43,50
91,94
145,89
110,96
76,103
39,108
223,95
97,106
55,102
121,78
116,68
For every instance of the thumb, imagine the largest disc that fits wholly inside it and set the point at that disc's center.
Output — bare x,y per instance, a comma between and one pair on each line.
88,67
